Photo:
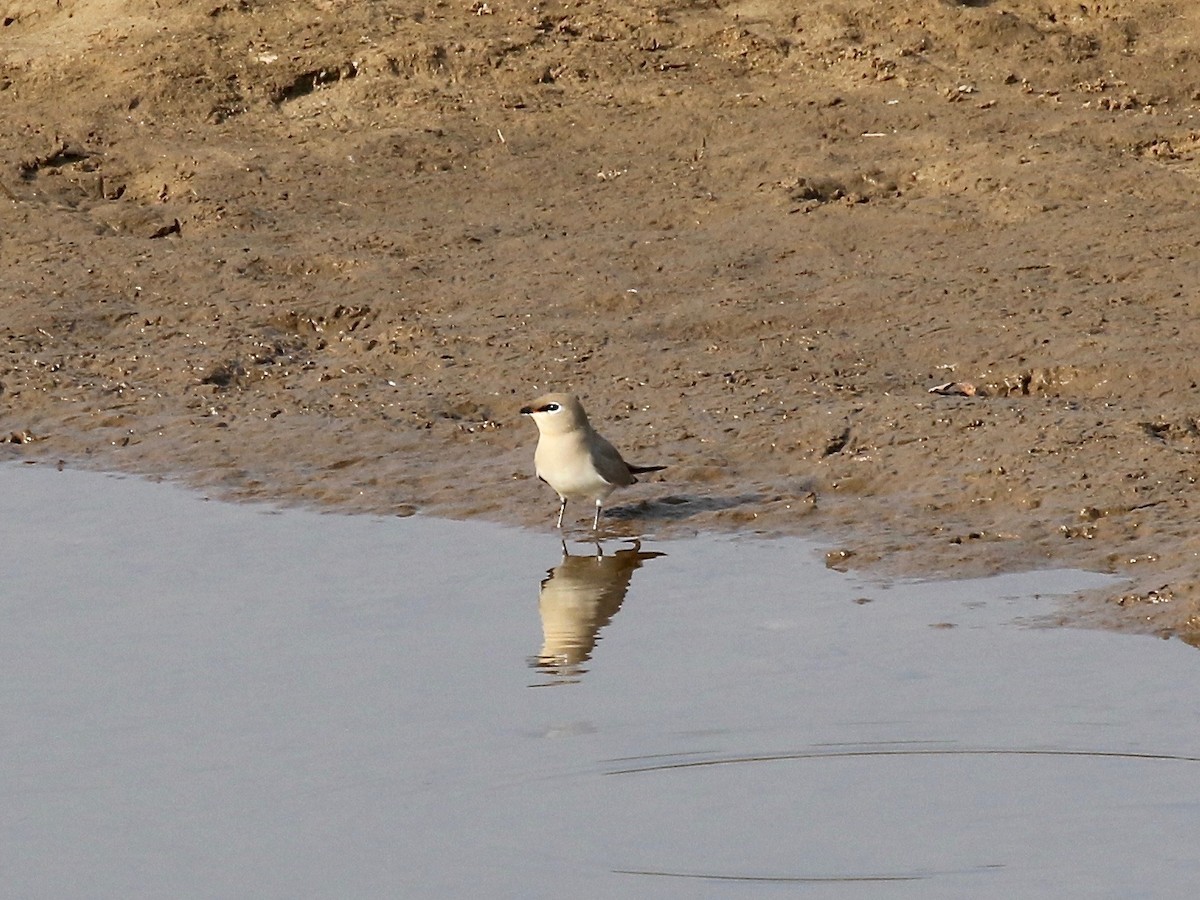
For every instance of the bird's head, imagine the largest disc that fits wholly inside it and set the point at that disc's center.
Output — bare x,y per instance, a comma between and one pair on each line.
556,413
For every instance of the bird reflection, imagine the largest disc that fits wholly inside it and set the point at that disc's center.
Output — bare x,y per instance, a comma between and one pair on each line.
578,597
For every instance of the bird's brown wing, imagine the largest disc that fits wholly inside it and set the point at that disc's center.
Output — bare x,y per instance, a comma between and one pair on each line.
609,464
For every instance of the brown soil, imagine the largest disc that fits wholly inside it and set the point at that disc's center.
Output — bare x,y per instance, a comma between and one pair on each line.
324,251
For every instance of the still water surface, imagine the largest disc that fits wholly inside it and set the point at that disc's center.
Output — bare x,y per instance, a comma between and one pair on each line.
200,699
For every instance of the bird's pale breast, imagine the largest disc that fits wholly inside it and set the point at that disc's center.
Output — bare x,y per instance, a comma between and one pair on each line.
565,463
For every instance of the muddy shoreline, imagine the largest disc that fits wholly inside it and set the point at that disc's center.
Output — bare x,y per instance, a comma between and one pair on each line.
322,253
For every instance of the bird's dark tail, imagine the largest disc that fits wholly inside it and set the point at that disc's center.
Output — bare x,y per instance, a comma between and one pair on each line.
642,470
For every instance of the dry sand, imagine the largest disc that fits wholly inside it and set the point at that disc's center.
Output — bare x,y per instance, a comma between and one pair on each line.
322,252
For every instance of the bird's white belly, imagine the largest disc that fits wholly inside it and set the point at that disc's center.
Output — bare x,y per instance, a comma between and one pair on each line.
576,479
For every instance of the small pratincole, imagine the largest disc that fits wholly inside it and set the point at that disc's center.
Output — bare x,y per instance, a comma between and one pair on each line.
572,458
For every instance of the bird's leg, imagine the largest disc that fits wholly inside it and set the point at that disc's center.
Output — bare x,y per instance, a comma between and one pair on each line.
596,521
562,508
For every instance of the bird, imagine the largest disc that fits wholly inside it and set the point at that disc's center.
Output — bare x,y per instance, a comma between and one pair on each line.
572,458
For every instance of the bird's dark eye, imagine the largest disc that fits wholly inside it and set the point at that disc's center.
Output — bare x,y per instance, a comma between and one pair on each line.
552,407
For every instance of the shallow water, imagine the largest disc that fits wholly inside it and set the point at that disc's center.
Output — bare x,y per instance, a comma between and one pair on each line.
210,700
